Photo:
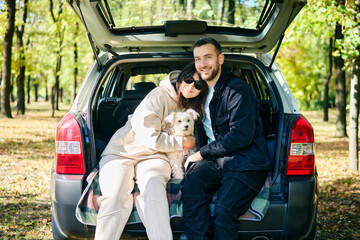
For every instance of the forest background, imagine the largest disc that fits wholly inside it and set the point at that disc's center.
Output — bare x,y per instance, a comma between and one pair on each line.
45,54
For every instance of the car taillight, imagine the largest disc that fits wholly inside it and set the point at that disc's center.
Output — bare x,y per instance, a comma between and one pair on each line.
68,147
301,158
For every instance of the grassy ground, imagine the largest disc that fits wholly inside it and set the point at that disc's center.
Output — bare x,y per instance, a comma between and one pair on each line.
27,149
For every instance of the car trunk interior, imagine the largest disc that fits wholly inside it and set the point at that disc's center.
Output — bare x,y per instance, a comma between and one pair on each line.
126,84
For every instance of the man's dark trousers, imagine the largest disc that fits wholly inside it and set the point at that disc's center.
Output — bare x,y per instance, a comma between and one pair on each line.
234,197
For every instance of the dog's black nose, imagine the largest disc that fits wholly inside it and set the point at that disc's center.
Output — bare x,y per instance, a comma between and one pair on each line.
186,127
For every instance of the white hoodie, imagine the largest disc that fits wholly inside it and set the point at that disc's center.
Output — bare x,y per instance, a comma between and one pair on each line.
143,137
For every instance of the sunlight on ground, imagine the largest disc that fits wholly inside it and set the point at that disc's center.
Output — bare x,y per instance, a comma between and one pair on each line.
26,155
27,151
339,196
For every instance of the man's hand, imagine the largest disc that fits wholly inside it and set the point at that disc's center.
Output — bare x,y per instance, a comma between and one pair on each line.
193,158
189,142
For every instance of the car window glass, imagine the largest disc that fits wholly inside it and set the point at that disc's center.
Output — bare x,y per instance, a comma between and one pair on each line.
256,83
151,13
108,89
264,92
155,78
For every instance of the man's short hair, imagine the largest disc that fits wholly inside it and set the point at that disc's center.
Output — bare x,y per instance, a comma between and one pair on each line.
206,40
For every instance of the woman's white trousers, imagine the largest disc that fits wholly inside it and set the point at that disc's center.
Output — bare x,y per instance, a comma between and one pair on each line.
116,179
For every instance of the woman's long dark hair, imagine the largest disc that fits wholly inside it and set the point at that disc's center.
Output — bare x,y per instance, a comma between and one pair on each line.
196,103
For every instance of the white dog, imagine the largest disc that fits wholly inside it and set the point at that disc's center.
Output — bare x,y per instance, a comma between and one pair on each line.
180,124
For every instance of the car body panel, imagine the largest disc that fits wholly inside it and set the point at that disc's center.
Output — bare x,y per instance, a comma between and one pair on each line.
298,204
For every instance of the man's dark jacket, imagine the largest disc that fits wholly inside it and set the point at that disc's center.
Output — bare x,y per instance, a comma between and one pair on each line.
239,142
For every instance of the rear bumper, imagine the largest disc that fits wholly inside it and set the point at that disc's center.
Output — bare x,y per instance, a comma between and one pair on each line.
302,207
291,219
65,193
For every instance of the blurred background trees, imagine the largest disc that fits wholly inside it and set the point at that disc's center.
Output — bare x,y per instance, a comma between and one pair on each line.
45,54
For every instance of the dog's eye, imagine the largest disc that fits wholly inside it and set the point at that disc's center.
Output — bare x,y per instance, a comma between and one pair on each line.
179,121
188,120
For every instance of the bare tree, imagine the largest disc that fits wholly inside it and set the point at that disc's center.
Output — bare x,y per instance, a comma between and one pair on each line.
6,70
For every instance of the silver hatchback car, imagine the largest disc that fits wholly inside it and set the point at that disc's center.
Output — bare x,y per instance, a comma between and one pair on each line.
133,60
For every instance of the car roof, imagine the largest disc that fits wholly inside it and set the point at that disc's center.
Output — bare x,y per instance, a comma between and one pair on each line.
179,35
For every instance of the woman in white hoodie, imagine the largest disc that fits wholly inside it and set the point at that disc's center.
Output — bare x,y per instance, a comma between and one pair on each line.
136,152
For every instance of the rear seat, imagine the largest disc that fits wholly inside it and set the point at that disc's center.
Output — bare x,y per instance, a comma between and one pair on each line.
127,104
130,100
112,118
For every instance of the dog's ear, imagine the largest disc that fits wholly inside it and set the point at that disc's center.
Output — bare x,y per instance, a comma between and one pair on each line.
170,118
193,113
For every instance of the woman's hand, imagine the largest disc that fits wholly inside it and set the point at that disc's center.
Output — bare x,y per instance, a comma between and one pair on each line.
189,142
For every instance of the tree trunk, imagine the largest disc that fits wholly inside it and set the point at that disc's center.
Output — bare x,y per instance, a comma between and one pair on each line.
75,62
354,116
20,83
340,90
28,89
354,106
60,35
21,77
220,11
36,86
57,81
20,99
12,98
61,94
46,90
53,101
189,9
326,83
231,12
6,70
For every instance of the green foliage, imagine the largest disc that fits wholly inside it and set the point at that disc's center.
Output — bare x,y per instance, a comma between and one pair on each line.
308,37
41,45
302,56
303,64
132,13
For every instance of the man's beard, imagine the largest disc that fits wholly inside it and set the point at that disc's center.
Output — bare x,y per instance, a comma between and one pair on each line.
213,74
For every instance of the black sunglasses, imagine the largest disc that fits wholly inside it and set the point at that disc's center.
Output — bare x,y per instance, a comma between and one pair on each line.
189,80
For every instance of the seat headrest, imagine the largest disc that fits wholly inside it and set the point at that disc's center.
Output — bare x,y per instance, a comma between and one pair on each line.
134,94
144,86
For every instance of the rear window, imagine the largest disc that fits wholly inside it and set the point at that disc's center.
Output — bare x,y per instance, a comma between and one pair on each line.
154,78
250,14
